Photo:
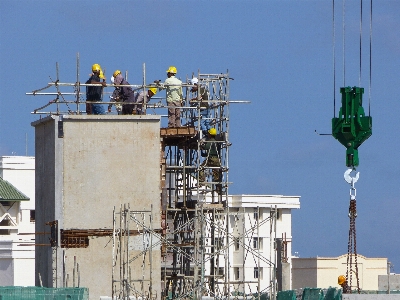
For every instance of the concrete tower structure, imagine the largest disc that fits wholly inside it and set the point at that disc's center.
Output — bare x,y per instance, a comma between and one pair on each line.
86,166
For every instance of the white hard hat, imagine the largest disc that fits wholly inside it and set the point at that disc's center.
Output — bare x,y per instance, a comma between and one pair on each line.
194,80
112,79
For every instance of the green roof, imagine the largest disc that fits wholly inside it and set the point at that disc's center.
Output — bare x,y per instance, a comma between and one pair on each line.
8,192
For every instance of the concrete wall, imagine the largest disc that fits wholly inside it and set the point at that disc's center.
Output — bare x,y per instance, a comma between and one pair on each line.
304,273
394,282
370,297
47,145
85,166
24,271
286,278
6,263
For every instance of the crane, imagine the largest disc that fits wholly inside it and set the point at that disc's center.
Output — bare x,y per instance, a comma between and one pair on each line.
351,128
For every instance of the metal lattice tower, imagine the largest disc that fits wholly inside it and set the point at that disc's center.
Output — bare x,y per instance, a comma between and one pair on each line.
183,192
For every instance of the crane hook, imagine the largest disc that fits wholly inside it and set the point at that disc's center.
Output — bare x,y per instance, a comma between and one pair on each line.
349,179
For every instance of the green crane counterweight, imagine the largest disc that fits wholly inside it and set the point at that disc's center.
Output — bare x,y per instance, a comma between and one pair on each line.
351,128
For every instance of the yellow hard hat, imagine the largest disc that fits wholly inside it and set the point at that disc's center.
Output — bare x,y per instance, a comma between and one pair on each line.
341,279
96,67
154,90
101,75
117,72
172,69
212,131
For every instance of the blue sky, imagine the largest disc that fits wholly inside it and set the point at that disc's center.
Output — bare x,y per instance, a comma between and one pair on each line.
280,54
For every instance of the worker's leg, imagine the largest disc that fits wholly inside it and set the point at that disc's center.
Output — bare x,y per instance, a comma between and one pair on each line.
202,176
88,108
177,114
98,109
214,162
216,173
127,109
171,114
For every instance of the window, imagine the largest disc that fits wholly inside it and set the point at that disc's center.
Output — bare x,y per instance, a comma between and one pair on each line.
236,273
258,272
219,242
236,244
32,215
278,214
257,243
5,222
221,271
256,213
6,203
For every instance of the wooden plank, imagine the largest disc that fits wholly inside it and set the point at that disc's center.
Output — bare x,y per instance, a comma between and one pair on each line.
177,131
212,206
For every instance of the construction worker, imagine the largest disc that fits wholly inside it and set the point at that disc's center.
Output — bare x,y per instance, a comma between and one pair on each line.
125,94
202,100
141,98
210,152
342,281
94,93
173,88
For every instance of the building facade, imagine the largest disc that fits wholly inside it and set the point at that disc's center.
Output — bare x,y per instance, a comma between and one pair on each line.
17,221
261,228
323,272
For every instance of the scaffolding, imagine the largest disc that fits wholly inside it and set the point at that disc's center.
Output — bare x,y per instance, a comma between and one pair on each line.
199,254
200,237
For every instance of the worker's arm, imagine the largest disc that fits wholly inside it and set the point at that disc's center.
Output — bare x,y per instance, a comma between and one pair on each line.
97,82
160,86
114,98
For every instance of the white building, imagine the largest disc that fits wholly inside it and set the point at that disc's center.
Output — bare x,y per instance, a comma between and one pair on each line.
266,218
244,238
17,221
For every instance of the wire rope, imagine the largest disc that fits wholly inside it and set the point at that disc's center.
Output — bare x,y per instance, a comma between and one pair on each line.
370,60
361,18
334,58
344,41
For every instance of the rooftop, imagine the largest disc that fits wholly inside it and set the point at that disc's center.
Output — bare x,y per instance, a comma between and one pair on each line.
10,193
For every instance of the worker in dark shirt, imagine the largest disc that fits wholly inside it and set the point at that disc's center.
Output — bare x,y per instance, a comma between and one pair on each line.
210,152
94,93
